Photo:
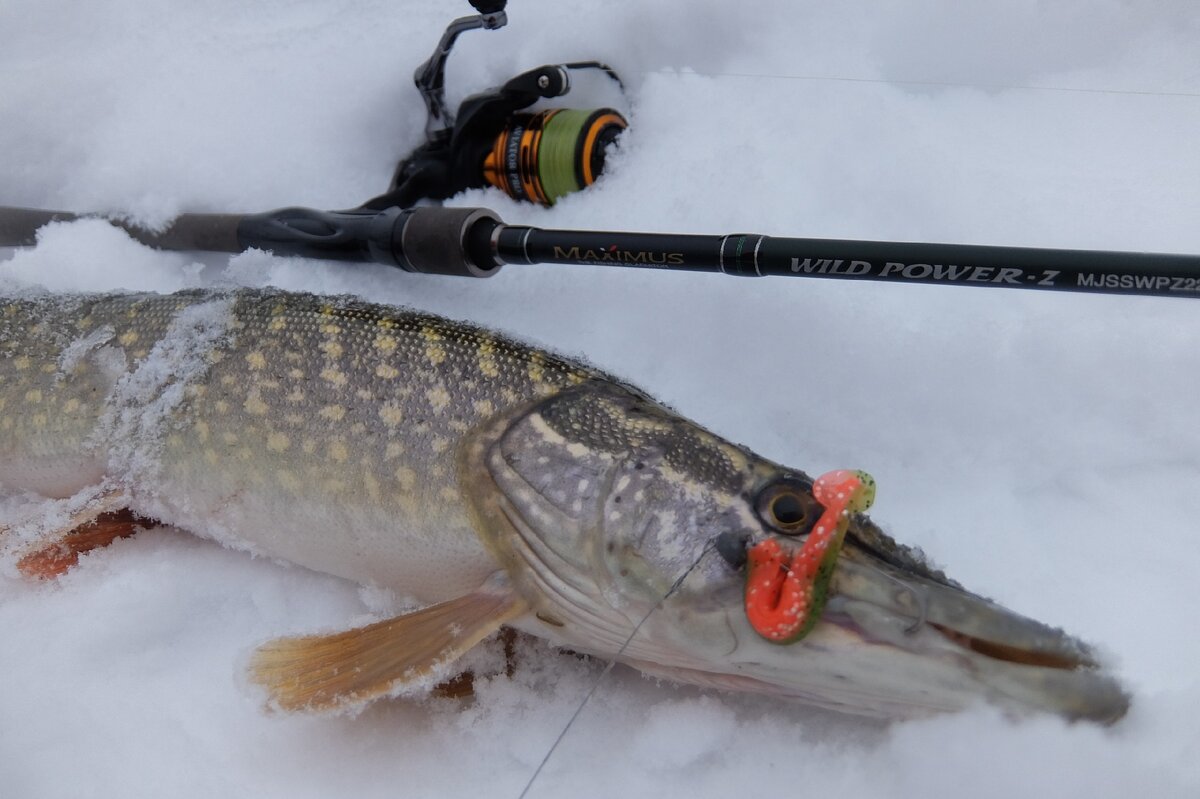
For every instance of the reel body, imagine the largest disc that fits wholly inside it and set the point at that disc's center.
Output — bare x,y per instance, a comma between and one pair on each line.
491,141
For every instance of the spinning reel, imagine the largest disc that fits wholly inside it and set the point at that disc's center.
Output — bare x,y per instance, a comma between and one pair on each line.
491,141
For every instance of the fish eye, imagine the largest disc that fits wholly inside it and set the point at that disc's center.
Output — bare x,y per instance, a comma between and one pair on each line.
787,506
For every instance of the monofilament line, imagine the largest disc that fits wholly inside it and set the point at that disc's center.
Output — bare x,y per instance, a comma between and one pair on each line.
612,662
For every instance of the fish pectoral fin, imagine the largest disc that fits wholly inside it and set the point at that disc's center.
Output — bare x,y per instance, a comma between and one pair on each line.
348,669
97,524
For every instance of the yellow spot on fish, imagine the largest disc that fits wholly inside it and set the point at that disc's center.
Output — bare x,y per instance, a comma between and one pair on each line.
202,431
22,362
438,398
309,446
338,452
245,453
33,396
229,438
289,481
295,419
487,358
215,356
211,456
391,413
407,478
222,407
537,369
295,374
228,380
408,504
334,376
484,407
128,338
436,353
49,368
256,360
372,486
386,343
278,442
254,405
332,348
278,323
330,329
38,420
70,406
296,396
334,413
448,494
394,450
387,371
441,444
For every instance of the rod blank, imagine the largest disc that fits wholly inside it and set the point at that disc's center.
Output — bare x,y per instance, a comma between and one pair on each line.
475,243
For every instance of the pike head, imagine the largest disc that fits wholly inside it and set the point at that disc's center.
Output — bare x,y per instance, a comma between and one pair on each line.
625,529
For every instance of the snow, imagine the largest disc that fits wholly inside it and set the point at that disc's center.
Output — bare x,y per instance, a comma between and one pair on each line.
1044,448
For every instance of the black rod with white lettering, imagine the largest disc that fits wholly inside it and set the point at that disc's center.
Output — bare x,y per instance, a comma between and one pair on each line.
752,255
473,242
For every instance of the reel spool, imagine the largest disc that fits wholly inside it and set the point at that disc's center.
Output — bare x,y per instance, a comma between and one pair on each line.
491,141
541,157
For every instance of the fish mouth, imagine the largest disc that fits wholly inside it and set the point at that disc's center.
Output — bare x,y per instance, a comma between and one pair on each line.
1010,654
890,596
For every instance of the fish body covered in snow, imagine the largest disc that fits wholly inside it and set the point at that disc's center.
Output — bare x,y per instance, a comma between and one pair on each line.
500,484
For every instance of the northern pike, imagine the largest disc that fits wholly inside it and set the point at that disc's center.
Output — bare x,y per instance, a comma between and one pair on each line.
494,483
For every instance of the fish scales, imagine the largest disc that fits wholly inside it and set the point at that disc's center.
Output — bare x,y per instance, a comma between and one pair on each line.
335,413
503,484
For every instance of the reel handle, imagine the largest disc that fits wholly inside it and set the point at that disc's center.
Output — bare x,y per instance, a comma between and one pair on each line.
430,77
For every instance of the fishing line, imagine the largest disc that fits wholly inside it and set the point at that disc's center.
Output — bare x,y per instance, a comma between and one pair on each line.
902,82
612,662
919,599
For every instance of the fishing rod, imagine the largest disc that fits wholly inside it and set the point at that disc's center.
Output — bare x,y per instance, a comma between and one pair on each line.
493,139
473,242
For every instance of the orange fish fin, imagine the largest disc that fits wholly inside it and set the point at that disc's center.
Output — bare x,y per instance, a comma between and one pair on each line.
348,669
96,525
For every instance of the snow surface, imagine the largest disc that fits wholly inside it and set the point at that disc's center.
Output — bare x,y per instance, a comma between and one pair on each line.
1045,448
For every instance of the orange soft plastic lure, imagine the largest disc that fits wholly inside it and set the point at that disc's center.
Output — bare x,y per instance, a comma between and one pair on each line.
784,597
